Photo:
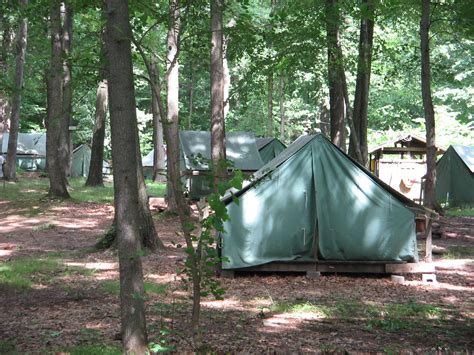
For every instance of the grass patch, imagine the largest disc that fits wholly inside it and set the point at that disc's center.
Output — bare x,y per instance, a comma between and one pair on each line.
7,347
156,189
94,349
113,287
44,227
392,317
460,212
300,307
19,273
458,252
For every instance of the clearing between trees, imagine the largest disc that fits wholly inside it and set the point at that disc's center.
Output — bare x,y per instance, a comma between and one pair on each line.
59,295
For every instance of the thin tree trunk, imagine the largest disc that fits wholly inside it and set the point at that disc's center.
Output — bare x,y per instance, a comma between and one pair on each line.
159,165
429,197
172,121
335,74
5,50
218,153
10,166
270,105
361,98
281,89
57,177
65,142
191,95
124,156
95,177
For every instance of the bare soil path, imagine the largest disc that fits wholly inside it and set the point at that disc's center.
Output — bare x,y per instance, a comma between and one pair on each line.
74,302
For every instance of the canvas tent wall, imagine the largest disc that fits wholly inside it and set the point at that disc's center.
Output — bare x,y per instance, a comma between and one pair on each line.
312,202
31,150
455,176
241,150
269,148
81,160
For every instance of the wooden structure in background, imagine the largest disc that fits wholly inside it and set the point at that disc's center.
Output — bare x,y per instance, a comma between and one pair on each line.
401,163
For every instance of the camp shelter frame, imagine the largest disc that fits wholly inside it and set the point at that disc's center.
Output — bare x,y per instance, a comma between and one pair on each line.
310,227
455,176
401,163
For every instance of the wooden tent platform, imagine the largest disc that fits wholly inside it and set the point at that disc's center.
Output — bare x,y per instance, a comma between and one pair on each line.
370,267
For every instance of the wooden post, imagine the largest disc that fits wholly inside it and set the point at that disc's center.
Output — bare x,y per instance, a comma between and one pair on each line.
429,244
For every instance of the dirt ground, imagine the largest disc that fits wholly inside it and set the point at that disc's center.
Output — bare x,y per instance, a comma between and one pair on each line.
343,313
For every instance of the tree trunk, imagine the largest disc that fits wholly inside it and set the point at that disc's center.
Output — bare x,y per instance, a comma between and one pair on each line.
148,234
192,80
10,166
430,183
361,98
270,105
5,50
335,74
57,176
172,119
95,177
124,156
159,165
65,138
281,89
218,153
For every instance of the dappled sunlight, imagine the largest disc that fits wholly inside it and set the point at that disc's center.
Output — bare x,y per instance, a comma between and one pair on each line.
102,266
163,278
225,304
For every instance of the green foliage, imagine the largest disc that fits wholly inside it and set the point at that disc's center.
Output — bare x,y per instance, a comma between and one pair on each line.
460,212
94,349
8,347
19,273
458,252
113,287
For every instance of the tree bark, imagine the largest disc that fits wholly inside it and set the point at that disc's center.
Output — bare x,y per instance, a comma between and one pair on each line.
281,88
96,167
65,141
335,75
361,98
270,105
191,84
430,182
124,156
10,166
218,153
159,165
95,177
5,50
172,118
57,176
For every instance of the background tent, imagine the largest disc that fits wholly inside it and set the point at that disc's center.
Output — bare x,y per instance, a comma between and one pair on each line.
313,202
241,150
269,148
31,150
81,160
455,176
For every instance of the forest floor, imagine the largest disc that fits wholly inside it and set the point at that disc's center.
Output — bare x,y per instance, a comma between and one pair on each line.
57,295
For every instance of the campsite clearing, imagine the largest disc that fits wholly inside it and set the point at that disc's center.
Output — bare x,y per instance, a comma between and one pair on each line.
58,296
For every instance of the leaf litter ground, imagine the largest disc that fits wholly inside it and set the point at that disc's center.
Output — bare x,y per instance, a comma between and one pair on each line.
70,296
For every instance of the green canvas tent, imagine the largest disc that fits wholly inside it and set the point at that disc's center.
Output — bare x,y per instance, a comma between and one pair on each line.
455,176
313,202
31,150
269,148
241,150
81,160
